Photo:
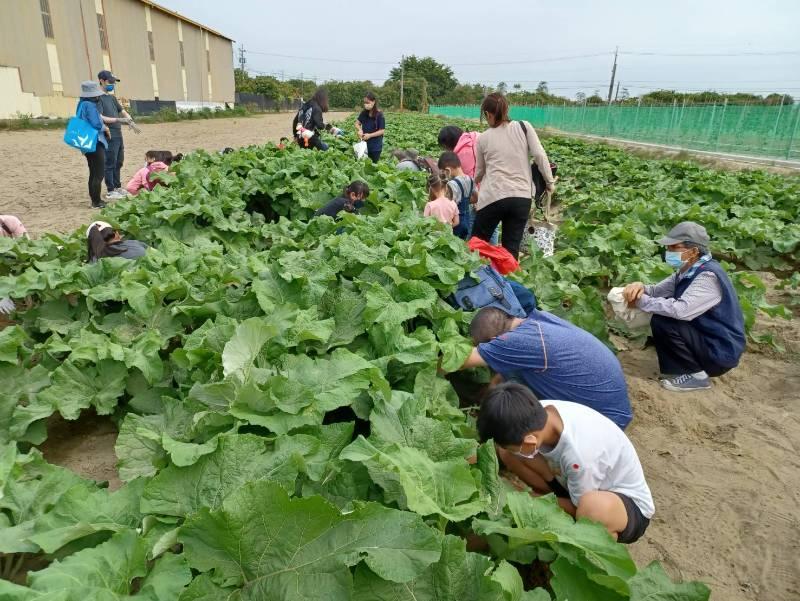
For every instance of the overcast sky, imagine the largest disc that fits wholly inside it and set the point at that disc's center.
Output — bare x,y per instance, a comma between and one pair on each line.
725,45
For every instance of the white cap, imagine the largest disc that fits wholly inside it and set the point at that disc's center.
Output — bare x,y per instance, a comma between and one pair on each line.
102,225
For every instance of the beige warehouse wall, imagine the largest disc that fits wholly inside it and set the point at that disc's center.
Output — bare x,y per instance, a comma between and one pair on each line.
222,69
127,39
22,44
195,52
168,61
72,47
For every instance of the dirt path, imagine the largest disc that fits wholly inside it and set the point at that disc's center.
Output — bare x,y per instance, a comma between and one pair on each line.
723,465
48,192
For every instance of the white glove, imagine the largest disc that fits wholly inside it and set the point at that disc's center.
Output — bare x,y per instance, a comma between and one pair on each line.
7,306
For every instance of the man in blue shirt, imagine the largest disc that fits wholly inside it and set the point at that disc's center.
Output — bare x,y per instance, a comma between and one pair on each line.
554,358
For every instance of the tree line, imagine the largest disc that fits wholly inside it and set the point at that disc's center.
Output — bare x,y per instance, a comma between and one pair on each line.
426,81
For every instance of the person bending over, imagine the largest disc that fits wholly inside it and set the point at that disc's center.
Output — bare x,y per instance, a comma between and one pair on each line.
592,465
351,200
102,241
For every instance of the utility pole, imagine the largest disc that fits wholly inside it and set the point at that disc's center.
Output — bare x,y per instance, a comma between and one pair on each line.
242,59
616,94
402,78
613,75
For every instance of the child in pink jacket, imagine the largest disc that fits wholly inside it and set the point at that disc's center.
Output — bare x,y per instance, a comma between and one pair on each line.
142,181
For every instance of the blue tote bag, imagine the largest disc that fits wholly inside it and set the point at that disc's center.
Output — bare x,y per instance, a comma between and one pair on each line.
80,134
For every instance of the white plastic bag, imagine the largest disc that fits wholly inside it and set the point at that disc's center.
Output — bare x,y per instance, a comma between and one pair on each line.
544,234
360,148
633,318
7,306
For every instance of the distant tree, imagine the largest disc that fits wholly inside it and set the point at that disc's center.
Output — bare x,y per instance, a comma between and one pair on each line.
542,88
624,95
502,87
778,98
580,97
517,86
439,76
595,99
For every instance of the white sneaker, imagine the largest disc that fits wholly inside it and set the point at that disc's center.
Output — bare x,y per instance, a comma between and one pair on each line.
113,195
122,192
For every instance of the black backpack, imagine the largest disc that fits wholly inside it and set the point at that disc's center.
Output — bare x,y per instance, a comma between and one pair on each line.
539,185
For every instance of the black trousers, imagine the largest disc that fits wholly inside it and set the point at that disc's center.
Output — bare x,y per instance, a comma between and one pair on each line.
97,167
374,155
681,348
512,213
115,157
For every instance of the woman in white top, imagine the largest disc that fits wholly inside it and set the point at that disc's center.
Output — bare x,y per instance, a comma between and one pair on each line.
504,173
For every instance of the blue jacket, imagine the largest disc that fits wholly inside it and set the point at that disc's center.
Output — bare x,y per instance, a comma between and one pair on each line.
87,110
723,325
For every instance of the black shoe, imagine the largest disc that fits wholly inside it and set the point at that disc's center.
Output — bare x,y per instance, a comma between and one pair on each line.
100,205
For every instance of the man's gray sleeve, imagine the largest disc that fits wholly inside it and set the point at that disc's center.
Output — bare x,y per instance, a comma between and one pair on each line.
703,293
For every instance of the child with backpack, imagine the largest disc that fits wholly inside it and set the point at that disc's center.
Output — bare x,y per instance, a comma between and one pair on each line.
440,205
154,160
462,191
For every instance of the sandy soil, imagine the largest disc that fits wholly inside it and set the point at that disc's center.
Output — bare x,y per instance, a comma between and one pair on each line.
723,465
49,191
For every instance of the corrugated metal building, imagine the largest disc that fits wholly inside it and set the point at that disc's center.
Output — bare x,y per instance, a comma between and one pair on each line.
47,47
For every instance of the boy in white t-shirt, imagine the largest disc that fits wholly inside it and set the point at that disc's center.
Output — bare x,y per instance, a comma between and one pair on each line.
585,450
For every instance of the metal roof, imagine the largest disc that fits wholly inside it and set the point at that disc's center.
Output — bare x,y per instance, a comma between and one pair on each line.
172,13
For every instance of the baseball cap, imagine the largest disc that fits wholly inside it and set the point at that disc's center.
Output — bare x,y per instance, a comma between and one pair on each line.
686,231
108,76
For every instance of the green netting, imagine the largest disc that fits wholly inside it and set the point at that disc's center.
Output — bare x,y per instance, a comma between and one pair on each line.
769,131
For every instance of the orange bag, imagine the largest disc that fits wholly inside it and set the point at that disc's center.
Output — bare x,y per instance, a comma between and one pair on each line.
502,260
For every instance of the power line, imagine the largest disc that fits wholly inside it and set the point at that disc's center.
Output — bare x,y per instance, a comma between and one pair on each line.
712,54
329,60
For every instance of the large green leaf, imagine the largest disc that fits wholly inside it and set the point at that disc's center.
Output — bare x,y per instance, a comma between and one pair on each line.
413,480
238,459
107,572
275,547
653,584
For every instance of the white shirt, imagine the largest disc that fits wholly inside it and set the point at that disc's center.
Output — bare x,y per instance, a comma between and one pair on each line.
594,454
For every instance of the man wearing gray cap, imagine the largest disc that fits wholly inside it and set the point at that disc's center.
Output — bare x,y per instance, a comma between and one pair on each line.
114,115
697,324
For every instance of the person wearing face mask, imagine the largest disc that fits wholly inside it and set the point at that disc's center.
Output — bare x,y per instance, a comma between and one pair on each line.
113,115
351,200
697,323
589,463
370,126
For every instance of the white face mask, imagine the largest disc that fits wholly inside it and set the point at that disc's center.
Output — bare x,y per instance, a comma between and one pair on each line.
522,455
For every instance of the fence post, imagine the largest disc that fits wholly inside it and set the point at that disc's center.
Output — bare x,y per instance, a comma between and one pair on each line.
794,133
721,120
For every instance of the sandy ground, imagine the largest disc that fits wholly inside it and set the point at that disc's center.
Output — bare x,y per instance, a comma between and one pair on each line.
48,192
723,465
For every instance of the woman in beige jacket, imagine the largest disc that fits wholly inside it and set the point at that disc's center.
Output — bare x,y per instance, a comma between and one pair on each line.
504,173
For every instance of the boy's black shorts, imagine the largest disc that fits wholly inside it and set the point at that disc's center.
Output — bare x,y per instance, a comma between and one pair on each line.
637,523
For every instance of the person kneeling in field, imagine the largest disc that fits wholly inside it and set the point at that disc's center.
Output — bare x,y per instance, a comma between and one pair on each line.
142,179
351,200
554,358
697,323
595,468
102,241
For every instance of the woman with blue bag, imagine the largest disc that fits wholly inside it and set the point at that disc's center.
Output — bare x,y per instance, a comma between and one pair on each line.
87,133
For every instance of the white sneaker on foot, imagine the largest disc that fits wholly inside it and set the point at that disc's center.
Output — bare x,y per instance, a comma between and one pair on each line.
122,192
114,195
686,383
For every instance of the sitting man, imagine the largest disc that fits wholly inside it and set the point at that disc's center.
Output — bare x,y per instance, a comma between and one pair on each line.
697,324
598,472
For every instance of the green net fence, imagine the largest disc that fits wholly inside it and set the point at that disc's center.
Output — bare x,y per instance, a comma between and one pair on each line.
766,131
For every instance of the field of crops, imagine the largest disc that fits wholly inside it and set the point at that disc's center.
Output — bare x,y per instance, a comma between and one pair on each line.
283,430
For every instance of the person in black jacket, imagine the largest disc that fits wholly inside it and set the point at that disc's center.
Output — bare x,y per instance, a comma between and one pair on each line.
351,200
308,122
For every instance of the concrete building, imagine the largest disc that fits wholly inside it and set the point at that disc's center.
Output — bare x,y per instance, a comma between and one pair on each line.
47,47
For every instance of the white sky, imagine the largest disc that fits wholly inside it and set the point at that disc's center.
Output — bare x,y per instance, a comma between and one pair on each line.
324,40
